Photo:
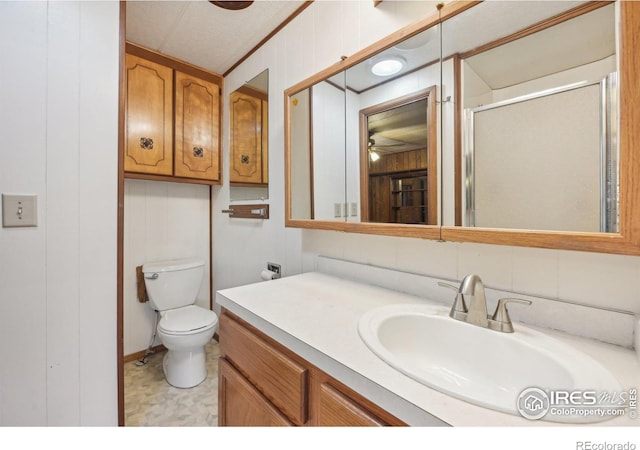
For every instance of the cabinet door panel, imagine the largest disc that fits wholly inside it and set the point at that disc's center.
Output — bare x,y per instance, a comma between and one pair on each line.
283,381
240,403
149,112
246,139
197,120
336,409
265,141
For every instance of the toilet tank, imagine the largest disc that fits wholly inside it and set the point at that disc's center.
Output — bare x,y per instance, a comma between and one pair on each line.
173,283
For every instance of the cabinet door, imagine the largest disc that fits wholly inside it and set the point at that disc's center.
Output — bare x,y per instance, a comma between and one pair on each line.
246,139
197,123
149,113
265,142
336,409
241,404
279,378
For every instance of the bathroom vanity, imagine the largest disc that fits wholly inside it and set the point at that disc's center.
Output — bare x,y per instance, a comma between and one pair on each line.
264,383
291,355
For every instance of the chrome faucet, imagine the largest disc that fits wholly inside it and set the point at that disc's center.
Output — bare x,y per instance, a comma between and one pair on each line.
470,305
472,288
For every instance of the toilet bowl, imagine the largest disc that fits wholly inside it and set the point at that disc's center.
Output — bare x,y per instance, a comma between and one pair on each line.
184,328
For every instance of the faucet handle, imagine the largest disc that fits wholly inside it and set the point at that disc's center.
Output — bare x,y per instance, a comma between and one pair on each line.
459,307
501,316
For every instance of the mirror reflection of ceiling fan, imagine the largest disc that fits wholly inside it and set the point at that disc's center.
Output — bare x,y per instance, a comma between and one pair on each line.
400,129
381,145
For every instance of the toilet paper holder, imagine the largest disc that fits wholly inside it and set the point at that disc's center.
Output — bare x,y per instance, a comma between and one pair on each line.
259,211
275,268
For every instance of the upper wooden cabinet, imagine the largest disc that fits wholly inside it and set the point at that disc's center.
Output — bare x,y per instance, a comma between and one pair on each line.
248,117
149,117
172,119
196,124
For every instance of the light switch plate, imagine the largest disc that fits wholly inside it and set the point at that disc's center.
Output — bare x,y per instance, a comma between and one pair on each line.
19,210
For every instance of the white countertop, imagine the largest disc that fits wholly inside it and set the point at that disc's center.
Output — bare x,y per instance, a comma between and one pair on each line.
316,315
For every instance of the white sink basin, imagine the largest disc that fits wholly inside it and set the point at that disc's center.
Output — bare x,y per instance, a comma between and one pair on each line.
481,366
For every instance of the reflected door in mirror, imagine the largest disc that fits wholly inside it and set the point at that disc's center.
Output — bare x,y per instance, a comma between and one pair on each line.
248,132
399,181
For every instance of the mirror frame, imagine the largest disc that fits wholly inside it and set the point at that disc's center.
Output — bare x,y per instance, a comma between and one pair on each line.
626,241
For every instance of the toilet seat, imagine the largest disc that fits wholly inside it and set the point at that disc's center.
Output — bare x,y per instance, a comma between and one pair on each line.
187,320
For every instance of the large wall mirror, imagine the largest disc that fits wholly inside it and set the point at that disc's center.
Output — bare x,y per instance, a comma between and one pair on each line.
249,139
538,92
317,165
362,140
534,107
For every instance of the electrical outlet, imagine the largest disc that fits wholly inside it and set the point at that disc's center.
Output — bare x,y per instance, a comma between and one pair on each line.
354,209
337,210
274,268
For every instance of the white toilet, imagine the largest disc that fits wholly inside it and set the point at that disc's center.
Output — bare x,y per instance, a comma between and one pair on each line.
184,328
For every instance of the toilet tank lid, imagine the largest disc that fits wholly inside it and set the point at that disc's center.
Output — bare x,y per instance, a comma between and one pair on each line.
171,265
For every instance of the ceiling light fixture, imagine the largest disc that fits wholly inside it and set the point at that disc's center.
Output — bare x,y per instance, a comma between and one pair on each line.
232,5
388,65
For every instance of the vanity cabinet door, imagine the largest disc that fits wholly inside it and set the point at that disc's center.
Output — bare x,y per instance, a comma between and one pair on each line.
197,118
281,379
336,409
247,131
241,404
264,383
149,113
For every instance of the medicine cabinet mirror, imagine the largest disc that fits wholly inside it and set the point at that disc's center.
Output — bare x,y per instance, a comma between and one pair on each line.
362,143
536,113
249,139
539,115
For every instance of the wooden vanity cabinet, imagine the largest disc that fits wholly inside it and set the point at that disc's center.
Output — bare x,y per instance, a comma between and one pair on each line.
172,119
262,383
248,140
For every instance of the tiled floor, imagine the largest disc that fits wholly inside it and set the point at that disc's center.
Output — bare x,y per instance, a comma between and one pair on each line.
150,401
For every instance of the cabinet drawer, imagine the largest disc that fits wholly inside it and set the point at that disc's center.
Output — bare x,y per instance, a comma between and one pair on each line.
336,409
278,377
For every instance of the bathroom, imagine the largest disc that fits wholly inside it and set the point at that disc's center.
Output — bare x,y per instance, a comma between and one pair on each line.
600,279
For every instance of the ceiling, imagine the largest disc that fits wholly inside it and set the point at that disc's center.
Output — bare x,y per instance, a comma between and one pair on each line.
216,39
399,129
203,34
574,43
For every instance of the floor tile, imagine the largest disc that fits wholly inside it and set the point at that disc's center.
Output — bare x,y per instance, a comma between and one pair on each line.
150,401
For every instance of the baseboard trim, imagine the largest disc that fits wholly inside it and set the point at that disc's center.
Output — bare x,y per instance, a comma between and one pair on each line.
139,355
